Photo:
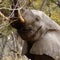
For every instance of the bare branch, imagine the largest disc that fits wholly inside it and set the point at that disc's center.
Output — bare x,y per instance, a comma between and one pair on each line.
1,14
43,5
10,9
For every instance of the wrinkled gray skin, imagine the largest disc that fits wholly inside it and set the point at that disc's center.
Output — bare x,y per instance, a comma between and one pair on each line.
44,32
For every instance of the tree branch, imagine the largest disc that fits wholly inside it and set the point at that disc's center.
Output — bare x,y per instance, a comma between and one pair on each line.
2,15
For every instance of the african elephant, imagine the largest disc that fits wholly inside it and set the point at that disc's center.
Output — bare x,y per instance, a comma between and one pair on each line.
41,34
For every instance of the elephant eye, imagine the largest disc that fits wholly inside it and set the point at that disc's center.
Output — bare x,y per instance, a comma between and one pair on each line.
37,19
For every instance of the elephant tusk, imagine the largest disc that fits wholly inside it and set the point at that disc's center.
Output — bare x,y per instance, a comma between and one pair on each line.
20,16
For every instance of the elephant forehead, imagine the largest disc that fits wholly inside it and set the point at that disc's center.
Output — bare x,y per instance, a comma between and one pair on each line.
28,16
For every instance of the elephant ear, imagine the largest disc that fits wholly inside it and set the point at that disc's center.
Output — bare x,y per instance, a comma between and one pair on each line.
51,25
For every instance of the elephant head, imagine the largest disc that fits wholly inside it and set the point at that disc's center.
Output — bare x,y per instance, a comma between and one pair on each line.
32,24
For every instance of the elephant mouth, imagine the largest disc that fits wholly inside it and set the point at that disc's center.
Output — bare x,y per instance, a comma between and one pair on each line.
30,32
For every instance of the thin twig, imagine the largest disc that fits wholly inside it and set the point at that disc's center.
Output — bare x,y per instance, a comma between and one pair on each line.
10,9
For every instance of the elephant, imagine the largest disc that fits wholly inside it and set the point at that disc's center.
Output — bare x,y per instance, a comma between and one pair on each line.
41,35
